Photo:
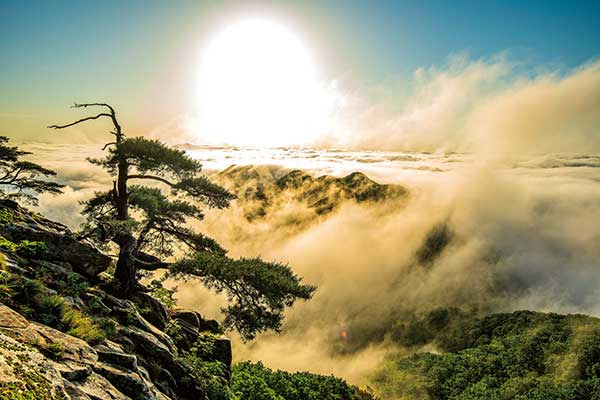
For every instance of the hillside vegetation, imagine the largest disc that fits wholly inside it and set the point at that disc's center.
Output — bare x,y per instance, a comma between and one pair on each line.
254,381
519,355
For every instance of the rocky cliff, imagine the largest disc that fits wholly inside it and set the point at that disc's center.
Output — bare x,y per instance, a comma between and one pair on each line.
63,334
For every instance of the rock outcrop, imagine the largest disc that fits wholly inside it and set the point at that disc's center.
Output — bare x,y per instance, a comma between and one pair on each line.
20,225
64,335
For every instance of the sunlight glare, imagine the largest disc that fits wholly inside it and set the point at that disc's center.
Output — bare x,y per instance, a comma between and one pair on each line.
259,87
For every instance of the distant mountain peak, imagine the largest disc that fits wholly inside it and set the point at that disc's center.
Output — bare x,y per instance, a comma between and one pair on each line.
259,188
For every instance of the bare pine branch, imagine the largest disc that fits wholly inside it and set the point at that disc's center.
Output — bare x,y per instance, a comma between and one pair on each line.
79,121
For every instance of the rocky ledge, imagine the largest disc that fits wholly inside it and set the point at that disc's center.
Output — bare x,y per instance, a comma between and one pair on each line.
63,334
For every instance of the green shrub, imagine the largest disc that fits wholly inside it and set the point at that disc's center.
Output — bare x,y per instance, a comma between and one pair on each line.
173,329
589,356
80,325
76,285
50,309
206,375
107,325
30,289
25,248
163,294
7,245
254,381
8,216
7,285
54,351
29,249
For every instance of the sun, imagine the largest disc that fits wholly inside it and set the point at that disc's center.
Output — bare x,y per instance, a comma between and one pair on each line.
259,86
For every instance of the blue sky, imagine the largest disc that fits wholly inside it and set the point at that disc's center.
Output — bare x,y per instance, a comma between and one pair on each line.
57,51
375,38
408,34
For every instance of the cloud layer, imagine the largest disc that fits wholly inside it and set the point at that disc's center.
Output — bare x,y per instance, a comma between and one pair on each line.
524,227
473,106
523,236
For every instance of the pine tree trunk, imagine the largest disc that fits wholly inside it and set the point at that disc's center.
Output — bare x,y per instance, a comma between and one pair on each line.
125,273
122,195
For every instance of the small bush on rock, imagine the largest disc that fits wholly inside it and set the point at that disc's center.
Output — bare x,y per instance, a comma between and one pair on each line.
81,326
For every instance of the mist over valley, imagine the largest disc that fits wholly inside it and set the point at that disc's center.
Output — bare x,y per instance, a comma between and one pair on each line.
389,237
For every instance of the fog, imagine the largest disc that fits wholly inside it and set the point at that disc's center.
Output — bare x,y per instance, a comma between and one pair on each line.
524,235
508,162
524,238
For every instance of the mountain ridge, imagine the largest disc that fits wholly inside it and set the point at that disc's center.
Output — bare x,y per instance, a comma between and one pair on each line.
262,189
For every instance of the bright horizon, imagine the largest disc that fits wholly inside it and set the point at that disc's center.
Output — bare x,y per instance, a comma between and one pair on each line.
266,75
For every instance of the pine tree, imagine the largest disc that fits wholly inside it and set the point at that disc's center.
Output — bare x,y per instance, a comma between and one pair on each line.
146,223
23,180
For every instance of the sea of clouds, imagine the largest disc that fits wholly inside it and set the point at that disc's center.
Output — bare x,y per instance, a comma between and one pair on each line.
506,157
525,234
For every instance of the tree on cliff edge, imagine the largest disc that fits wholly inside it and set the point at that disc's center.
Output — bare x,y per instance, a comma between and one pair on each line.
146,222
23,180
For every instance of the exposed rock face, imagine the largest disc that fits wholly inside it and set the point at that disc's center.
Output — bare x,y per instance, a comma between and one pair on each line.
83,258
62,246
53,298
60,364
24,367
69,367
189,317
156,312
44,337
148,345
116,356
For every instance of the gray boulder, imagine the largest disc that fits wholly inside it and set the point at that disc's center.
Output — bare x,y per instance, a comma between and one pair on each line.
116,357
148,345
156,312
191,317
128,382
84,258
